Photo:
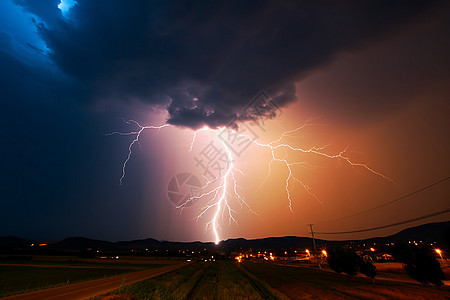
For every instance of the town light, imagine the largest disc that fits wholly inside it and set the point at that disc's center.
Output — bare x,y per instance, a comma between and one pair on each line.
307,252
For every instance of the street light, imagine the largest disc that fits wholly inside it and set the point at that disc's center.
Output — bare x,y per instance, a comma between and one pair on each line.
439,251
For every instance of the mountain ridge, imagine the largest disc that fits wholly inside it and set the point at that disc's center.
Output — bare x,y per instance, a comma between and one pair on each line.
434,232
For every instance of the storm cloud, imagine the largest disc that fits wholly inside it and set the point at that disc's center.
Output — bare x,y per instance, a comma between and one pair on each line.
204,61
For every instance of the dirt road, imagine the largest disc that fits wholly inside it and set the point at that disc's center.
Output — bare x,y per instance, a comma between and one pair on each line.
92,288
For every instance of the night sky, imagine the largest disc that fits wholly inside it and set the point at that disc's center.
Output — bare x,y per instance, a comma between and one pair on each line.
374,76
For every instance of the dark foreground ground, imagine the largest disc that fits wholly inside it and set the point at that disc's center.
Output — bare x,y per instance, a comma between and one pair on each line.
227,280
157,279
87,289
53,273
307,283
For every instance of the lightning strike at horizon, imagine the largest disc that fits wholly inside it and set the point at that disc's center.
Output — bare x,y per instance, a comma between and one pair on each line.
222,198
217,188
219,200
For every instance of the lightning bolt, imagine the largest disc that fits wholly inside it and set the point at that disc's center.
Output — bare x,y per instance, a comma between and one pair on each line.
224,187
223,197
276,144
137,135
194,137
220,193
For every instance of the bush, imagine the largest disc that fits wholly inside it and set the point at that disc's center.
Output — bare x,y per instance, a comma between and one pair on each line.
419,262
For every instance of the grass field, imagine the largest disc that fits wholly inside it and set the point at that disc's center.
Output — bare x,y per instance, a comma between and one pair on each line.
224,280
173,285
127,262
22,279
214,280
210,280
19,275
301,283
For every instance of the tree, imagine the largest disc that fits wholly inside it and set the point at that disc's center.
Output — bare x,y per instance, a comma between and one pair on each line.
334,259
447,236
419,262
343,260
367,268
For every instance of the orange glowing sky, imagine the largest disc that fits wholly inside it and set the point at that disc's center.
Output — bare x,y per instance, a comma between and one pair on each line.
407,140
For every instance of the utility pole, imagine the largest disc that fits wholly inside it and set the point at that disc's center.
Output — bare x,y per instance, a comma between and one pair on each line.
314,244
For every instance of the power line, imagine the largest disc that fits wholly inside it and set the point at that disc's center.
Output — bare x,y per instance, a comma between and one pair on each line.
391,225
390,202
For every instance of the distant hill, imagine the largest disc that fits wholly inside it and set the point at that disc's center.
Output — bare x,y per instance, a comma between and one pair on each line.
428,232
433,232
162,245
268,243
82,243
12,242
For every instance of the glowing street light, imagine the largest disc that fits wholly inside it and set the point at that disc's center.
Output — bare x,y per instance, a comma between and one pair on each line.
439,251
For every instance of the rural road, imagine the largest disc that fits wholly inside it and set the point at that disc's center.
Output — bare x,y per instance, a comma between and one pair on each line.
93,288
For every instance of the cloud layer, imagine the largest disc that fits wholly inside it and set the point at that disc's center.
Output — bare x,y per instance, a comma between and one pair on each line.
204,61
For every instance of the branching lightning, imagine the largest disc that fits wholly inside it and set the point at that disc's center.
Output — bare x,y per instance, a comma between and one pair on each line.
276,144
219,190
137,135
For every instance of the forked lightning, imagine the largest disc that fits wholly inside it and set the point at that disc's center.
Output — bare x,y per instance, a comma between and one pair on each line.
224,186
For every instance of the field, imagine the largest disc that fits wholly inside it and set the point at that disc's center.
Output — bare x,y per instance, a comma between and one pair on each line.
227,280
21,279
20,276
301,283
212,280
206,280
124,261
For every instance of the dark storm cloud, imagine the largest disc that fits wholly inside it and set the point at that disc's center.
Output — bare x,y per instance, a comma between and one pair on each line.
205,60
